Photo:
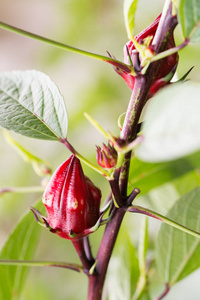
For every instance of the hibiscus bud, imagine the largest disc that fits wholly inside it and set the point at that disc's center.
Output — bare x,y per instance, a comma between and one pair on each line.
106,156
72,201
167,64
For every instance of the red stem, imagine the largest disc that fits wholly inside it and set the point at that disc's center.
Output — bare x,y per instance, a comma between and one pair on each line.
166,291
79,246
136,104
96,281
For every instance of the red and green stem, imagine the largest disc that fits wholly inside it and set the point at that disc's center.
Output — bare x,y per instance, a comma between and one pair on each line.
138,99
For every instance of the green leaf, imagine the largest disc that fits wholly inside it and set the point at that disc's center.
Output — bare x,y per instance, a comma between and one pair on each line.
189,19
130,7
143,245
141,288
123,270
177,252
20,245
187,182
172,124
40,166
31,104
148,176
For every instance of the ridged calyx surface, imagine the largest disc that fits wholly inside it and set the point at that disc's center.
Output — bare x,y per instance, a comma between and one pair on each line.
167,64
72,201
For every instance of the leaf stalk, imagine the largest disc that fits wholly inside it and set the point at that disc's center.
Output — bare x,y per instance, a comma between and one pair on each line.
30,263
155,215
112,61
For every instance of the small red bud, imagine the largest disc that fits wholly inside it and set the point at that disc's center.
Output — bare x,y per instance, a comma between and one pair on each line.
106,156
167,63
72,201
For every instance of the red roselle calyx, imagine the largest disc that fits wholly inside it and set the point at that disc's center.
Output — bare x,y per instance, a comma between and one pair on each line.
106,156
167,64
72,201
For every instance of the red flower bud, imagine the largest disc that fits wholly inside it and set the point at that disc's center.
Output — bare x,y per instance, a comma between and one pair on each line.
72,201
106,156
167,63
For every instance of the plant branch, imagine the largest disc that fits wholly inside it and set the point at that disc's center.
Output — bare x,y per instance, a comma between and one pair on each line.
129,131
141,89
84,160
112,61
80,249
131,146
166,291
22,190
169,51
118,199
87,248
97,125
96,280
141,286
155,215
29,263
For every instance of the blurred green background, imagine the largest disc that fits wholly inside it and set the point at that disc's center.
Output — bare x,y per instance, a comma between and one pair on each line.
87,85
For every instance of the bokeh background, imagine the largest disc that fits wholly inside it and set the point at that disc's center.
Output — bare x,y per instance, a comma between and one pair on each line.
87,85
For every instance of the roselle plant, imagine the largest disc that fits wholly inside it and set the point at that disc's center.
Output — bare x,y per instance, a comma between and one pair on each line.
157,142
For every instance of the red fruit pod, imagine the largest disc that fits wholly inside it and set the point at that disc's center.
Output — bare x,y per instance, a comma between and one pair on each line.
72,201
167,64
